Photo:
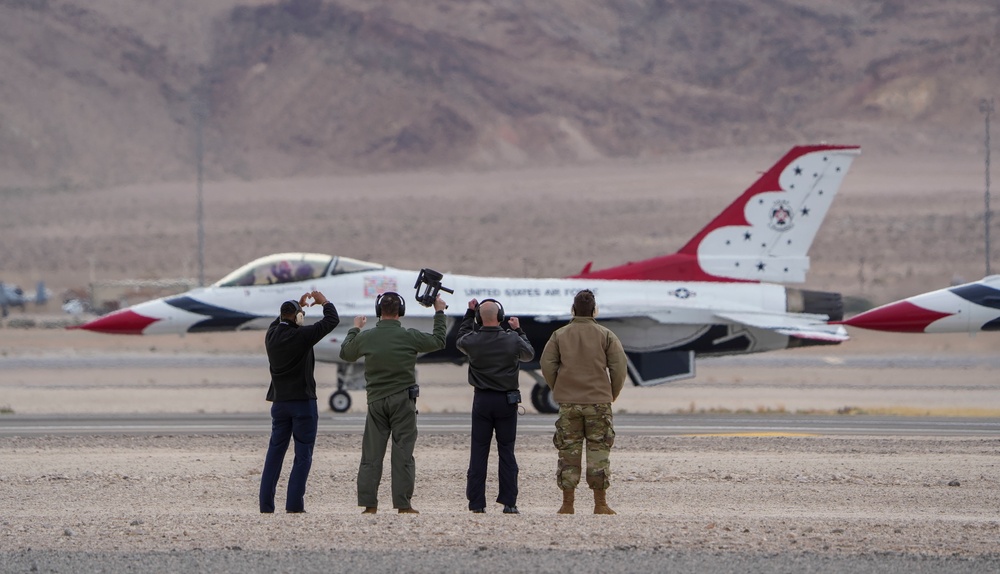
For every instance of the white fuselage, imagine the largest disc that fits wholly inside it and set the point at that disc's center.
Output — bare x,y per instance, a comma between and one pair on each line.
675,311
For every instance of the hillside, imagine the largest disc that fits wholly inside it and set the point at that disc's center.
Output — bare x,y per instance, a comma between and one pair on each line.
103,92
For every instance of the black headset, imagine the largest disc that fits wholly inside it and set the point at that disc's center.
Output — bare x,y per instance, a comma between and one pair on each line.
378,303
500,315
295,304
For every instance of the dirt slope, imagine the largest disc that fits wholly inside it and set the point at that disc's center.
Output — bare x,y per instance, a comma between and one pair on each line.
100,92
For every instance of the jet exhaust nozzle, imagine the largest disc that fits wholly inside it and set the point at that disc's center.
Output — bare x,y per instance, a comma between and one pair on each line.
815,303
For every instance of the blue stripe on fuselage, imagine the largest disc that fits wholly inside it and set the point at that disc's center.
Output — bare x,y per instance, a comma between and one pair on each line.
219,318
979,294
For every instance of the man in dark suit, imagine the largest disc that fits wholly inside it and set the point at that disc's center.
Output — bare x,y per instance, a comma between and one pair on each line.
289,343
494,354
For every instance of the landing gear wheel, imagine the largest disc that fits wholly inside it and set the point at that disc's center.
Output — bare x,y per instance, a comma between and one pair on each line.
541,399
340,401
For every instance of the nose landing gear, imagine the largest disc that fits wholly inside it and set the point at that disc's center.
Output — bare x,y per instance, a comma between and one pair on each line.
349,377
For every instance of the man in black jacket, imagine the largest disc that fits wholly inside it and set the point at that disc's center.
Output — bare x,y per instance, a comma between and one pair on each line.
289,343
493,354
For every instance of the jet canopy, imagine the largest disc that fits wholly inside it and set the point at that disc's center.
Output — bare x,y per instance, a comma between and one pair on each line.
293,268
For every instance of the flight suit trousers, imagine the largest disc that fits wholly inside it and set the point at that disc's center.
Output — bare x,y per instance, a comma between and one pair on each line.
576,423
394,416
491,412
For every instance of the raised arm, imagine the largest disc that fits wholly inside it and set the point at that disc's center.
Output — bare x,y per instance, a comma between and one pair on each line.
467,327
324,326
525,352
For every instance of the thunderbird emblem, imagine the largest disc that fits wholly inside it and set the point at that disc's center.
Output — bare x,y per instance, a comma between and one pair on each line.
781,216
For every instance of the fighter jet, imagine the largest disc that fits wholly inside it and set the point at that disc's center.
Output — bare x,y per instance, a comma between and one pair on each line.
708,299
967,308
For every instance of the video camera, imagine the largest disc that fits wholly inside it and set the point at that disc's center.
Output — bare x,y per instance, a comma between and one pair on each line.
431,281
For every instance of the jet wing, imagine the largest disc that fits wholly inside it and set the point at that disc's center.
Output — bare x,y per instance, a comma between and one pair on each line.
799,325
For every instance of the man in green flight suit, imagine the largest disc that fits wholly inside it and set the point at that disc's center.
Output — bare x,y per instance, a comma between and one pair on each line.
390,353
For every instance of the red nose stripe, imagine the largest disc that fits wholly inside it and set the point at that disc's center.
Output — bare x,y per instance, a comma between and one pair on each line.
125,322
900,317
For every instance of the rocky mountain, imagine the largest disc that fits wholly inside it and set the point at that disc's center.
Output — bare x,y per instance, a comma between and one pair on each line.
102,92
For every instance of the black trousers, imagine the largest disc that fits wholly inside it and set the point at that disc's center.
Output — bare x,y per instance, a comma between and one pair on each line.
490,412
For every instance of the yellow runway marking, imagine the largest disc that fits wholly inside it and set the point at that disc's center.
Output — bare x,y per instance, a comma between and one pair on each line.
754,434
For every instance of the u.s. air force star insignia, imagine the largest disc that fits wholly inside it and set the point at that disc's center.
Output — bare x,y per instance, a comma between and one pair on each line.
682,293
781,216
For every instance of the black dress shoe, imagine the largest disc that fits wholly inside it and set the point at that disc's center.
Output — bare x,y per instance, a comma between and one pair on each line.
295,511
478,510
510,509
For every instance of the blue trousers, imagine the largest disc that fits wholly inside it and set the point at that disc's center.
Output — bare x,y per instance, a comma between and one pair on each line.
490,412
289,420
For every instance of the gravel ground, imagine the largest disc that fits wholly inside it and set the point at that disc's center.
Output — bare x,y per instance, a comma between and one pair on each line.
685,503
710,504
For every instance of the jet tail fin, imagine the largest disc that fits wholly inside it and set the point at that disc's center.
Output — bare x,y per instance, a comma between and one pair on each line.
765,234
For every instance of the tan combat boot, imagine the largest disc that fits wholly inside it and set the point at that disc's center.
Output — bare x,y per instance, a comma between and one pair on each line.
370,510
600,503
569,496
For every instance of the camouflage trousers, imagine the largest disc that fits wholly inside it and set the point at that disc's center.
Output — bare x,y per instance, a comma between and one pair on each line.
576,423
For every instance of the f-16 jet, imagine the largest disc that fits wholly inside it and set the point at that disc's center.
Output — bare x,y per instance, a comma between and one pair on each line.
723,293
968,308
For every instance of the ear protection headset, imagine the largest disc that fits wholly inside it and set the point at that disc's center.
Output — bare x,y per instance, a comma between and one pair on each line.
378,303
291,307
500,315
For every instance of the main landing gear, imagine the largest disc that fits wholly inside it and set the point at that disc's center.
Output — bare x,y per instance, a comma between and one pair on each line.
541,395
352,377
349,377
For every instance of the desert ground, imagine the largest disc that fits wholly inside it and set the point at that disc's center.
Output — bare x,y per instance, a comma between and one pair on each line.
901,225
764,503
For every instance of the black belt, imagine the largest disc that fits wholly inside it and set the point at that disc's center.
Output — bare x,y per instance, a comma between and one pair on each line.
479,390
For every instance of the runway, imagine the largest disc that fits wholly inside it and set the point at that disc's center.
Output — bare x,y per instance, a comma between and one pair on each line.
113,360
443,423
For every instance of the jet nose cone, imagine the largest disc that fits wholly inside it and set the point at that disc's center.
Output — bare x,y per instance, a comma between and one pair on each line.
124,322
899,317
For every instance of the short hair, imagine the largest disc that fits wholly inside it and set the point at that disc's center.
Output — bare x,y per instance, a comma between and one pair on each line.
290,308
584,303
389,304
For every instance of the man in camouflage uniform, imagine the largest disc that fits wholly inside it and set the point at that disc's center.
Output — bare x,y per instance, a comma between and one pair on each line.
585,366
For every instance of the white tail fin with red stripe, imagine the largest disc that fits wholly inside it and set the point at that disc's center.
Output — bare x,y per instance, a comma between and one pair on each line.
764,235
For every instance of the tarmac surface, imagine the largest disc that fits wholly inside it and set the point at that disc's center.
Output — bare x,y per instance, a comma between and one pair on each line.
762,425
